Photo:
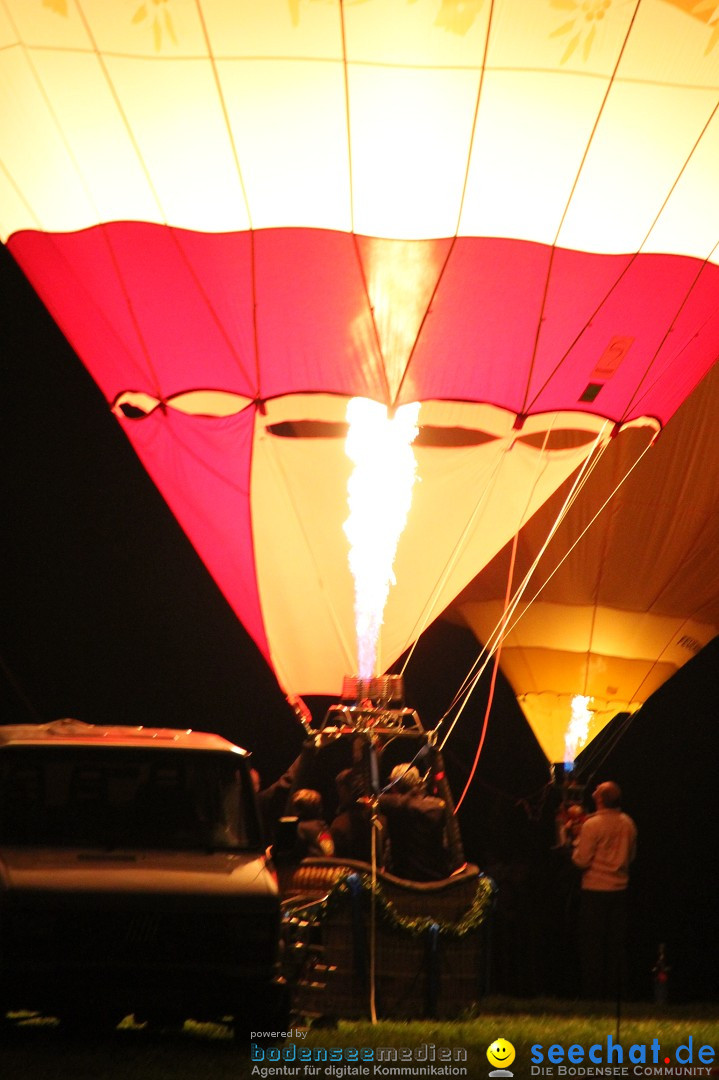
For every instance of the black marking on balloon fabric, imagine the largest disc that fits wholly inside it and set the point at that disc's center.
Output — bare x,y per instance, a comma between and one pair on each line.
591,391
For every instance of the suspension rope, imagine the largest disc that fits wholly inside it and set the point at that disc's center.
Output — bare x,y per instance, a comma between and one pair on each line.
451,562
490,699
373,915
589,466
502,627
584,531
596,756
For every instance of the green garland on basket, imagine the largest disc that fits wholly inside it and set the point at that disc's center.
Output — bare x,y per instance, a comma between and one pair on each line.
416,925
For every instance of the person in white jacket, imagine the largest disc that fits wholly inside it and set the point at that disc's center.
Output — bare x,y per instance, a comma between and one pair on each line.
603,851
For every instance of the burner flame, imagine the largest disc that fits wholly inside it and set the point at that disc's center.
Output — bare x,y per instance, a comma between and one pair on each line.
578,729
379,494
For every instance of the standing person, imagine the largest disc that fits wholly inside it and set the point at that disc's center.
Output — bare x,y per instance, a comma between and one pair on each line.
416,824
604,849
353,823
313,832
273,801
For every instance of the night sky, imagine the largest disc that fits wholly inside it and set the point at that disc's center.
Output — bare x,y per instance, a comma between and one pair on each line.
110,617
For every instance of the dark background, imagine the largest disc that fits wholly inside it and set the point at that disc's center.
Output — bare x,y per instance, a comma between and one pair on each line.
109,616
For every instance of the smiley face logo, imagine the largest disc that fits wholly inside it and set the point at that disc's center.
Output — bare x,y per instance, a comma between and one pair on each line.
500,1054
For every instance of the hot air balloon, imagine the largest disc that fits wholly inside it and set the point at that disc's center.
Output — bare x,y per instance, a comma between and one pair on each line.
244,216
622,597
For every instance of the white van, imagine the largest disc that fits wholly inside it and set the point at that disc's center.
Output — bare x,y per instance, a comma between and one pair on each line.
134,878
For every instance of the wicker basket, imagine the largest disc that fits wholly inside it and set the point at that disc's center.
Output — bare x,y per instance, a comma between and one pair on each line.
425,964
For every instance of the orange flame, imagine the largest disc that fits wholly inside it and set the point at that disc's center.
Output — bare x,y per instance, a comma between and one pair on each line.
578,730
379,494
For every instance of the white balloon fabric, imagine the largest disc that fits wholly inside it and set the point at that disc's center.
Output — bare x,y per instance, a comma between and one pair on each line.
244,214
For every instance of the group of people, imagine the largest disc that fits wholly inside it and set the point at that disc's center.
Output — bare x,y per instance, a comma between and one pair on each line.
405,825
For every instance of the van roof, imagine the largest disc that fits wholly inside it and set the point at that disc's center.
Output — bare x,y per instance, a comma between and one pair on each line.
78,733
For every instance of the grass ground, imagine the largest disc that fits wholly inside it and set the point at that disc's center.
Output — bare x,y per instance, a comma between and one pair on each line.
37,1049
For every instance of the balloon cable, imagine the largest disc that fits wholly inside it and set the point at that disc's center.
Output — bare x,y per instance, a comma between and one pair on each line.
625,725
427,614
583,533
495,669
373,916
588,466
502,628
500,632
571,548
596,756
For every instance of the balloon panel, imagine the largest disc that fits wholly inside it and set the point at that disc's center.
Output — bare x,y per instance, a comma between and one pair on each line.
166,118
232,209
299,504
634,600
293,311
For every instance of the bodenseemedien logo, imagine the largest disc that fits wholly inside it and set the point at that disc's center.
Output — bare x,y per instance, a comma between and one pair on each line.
500,1054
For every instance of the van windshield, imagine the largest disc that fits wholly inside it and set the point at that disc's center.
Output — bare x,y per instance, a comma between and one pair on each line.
117,797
